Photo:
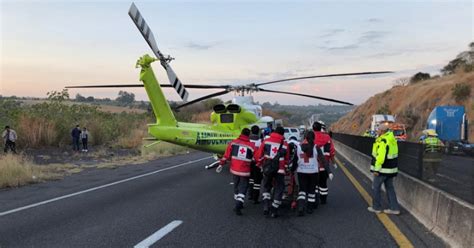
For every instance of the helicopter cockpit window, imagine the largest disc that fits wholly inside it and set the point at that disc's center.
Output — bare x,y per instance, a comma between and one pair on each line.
227,118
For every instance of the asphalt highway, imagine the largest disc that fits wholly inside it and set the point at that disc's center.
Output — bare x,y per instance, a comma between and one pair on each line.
455,175
172,202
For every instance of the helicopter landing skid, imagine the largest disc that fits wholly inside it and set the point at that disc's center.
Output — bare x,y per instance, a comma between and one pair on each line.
215,164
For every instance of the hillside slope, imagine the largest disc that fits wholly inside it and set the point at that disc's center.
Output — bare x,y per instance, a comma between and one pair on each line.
411,104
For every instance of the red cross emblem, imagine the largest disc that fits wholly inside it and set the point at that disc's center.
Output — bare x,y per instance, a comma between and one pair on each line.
274,149
304,157
242,150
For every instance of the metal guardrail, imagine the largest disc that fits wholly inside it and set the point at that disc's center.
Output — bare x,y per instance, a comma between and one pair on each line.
451,173
410,155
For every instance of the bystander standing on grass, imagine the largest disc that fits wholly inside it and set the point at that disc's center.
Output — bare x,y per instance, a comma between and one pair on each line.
75,133
84,138
9,136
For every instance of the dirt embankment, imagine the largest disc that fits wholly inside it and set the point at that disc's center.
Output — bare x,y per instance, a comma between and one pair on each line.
411,104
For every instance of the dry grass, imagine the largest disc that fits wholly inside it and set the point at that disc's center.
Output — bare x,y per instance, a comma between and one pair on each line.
18,170
202,117
102,107
419,98
133,140
119,109
35,131
162,149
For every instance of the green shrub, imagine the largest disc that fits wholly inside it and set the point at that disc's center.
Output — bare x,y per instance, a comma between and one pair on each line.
50,123
420,76
383,110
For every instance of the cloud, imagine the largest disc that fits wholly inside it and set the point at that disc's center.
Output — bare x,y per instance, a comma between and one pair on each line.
201,46
296,88
386,54
371,37
340,48
367,38
426,48
331,32
374,20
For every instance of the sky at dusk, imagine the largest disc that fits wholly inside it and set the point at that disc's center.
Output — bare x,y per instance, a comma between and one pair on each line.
46,45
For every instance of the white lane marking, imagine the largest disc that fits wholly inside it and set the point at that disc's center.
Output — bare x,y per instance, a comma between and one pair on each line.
98,187
158,234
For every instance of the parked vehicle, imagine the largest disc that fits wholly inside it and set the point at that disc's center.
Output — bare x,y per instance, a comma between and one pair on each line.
378,120
399,131
292,132
451,125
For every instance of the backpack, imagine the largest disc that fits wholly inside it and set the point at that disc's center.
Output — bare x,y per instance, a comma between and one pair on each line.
271,166
293,150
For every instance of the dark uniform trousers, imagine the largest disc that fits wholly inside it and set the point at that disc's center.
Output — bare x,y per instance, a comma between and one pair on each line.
323,186
255,181
277,181
307,182
240,188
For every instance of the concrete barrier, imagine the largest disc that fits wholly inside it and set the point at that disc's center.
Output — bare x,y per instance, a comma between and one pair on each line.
447,216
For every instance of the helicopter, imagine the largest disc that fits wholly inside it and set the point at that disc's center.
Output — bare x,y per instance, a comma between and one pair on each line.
227,121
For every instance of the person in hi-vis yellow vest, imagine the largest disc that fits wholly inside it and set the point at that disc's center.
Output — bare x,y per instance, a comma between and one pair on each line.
384,167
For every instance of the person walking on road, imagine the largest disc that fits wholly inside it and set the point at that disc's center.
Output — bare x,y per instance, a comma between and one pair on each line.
255,173
75,133
323,141
309,159
240,153
84,138
384,167
272,147
9,136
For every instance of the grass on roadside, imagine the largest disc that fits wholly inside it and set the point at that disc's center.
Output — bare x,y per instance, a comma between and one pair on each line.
162,149
18,170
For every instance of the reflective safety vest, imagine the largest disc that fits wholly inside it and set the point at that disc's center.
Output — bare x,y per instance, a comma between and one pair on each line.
432,143
385,155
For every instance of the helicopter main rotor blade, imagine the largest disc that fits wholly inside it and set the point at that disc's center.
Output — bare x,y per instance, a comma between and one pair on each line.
203,98
310,96
192,86
111,86
146,32
326,75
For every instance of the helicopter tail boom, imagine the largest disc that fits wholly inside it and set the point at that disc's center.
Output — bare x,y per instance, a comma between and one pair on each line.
161,108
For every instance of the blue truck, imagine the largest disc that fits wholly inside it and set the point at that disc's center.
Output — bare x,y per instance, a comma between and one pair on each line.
451,125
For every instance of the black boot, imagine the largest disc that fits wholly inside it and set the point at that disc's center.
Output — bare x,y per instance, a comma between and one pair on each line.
300,207
274,212
309,208
324,199
238,208
266,207
256,195
250,194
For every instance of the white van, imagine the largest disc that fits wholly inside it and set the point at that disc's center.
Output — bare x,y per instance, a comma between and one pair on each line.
292,132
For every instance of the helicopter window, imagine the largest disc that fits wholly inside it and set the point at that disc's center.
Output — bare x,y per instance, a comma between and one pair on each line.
293,130
227,118
286,130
